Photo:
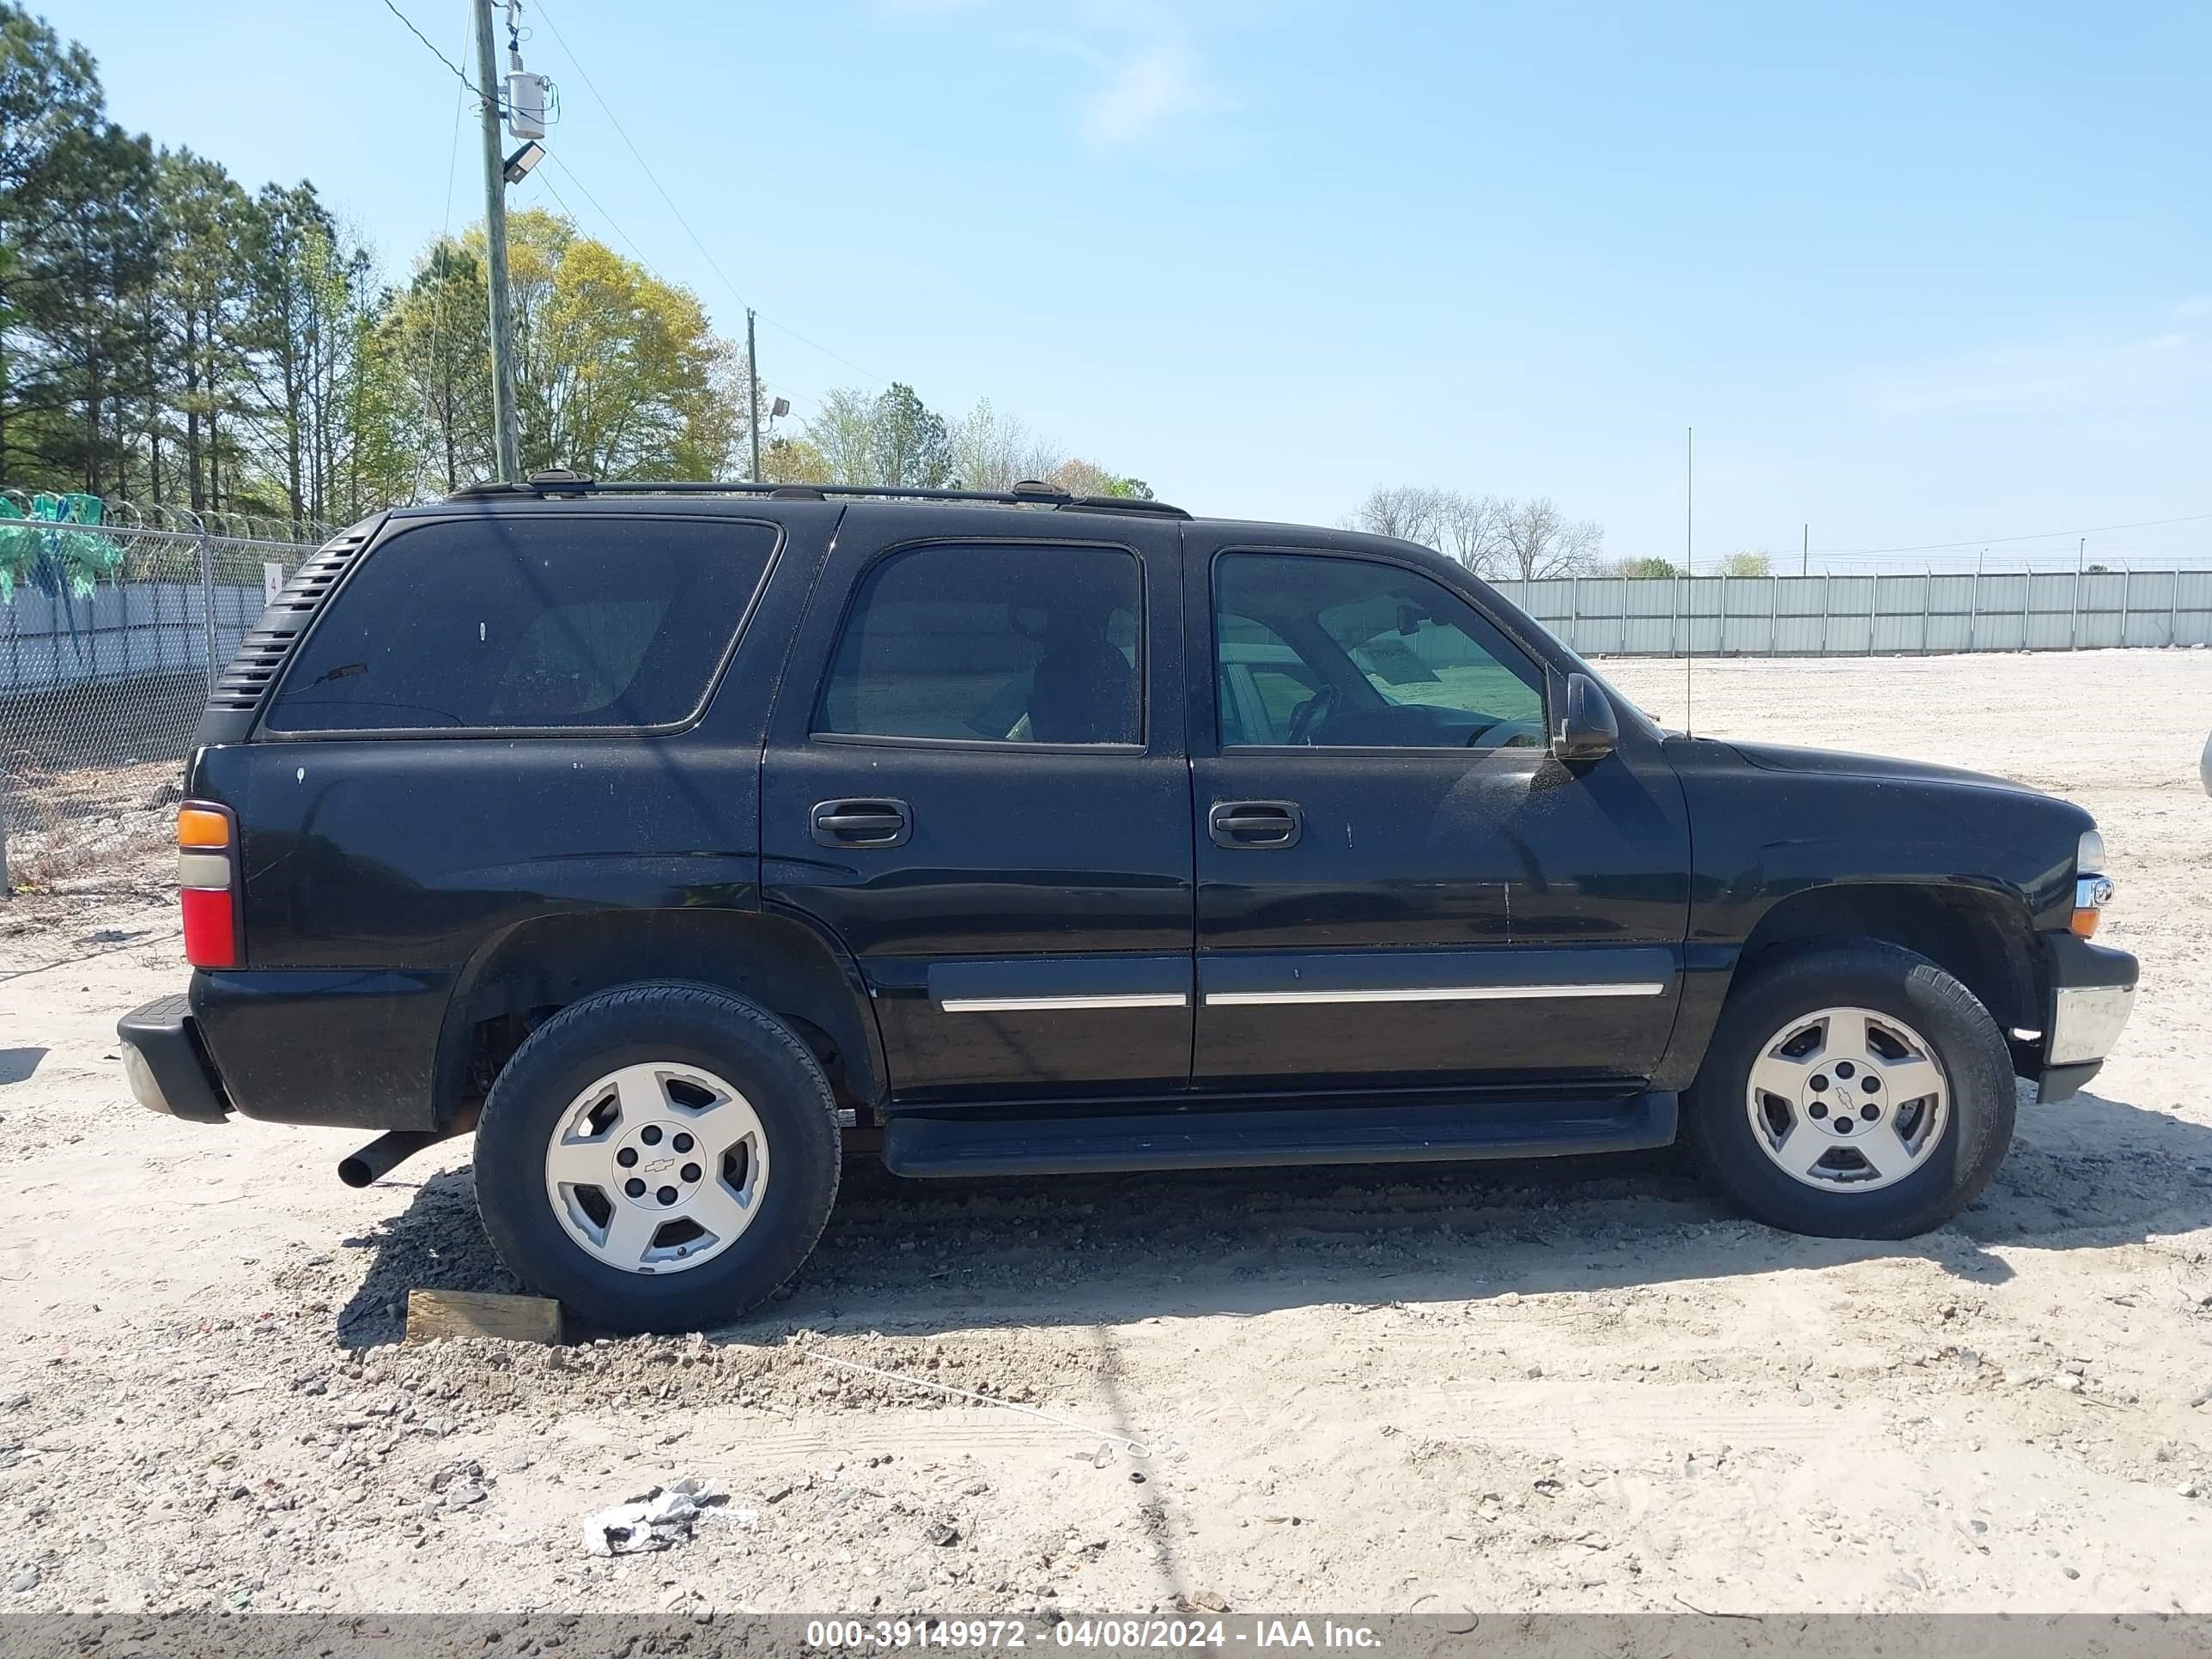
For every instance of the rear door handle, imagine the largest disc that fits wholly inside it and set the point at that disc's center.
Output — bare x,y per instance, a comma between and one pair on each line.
874,822
1254,824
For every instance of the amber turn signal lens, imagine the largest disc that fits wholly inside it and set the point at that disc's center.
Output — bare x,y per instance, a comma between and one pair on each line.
198,827
2084,922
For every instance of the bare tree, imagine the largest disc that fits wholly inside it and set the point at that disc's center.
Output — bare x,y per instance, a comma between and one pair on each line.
1491,535
1412,512
991,451
1535,540
1469,529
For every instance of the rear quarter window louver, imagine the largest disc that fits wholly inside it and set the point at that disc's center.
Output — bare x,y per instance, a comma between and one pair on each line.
238,692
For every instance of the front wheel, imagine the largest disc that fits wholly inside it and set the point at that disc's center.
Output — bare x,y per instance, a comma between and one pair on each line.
1853,1089
658,1158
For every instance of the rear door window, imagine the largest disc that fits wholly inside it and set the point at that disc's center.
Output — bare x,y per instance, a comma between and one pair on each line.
515,624
1002,643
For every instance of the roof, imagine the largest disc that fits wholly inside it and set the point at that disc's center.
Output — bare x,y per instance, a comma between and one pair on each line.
572,486
691,496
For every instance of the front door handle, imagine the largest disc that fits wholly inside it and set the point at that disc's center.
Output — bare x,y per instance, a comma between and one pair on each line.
876,821
1254,824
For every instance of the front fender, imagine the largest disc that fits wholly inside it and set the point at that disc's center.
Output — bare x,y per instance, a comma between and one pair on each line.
1965,870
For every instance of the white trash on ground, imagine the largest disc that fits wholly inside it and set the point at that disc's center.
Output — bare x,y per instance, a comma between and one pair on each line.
660,1520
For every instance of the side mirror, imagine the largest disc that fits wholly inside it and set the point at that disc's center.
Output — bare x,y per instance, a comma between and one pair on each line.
1586,729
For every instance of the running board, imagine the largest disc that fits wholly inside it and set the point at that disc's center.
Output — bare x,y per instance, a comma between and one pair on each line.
1075,1143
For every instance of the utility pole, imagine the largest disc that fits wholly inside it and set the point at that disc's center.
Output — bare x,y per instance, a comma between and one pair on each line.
1805,553
752,393
1689,499
2073,619
505,438
1689,563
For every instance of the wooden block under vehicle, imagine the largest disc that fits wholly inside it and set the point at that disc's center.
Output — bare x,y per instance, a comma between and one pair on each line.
434,1314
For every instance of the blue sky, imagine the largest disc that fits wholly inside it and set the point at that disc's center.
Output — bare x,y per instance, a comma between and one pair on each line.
1917,274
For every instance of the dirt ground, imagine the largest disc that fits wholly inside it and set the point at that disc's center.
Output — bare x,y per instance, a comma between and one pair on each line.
1528,1386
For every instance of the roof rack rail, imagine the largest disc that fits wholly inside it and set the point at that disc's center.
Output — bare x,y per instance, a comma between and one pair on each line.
561,481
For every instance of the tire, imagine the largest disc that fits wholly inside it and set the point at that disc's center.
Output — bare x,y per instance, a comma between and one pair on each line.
1887,1167
642,1070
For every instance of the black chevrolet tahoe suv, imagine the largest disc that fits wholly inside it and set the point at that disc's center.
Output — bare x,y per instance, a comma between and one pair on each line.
683,840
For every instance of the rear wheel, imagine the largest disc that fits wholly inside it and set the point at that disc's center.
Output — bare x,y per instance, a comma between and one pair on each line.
1852,1089
661,1157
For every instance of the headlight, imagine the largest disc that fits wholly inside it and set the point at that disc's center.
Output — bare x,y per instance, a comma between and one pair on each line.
2092,889
2089,855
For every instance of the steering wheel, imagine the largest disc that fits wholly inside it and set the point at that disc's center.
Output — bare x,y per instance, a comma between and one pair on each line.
1480,732
1311,712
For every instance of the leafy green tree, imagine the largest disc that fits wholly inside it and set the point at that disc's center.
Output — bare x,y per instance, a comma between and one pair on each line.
93,315
322,418
991,451
1081,477
283,252
199,293
892,440
841,431
75,259
908,444
618,375
1650,567
167,334
436,338
793,461
50,100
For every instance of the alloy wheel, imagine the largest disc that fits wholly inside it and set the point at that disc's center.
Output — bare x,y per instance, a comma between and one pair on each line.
657,1168
1847,1099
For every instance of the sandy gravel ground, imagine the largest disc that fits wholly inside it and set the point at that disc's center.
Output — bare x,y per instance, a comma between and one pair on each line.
1526,1387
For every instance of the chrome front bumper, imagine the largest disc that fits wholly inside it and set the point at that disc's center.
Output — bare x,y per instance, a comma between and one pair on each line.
2093,991
2086,1020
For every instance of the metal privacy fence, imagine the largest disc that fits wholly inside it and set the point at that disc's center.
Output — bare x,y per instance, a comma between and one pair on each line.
107,646
1871,615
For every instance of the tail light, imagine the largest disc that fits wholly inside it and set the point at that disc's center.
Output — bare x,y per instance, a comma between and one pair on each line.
207,880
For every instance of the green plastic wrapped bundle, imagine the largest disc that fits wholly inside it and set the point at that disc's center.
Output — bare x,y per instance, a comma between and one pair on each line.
55,549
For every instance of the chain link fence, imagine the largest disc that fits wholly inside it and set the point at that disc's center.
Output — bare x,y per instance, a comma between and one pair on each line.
107,648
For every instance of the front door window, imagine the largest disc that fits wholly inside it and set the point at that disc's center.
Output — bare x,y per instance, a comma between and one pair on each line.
1357,653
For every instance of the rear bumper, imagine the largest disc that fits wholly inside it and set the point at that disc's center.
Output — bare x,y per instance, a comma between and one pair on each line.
350,1048
167,1065
2093,991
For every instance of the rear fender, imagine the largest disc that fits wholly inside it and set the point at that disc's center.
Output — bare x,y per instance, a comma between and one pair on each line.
530,970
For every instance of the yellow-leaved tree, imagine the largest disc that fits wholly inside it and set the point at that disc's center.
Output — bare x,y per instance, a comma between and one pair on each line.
618,375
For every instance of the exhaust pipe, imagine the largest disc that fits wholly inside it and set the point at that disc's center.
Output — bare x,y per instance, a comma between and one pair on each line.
386,1153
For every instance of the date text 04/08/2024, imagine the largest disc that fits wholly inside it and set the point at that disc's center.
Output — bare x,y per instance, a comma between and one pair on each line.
1095,1633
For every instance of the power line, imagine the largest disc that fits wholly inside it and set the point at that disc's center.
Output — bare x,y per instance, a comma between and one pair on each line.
2040,536
594,201
601,99
434,52
630,240
445,231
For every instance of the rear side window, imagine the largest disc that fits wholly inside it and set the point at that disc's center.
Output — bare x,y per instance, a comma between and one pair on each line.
510,623
1013,643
